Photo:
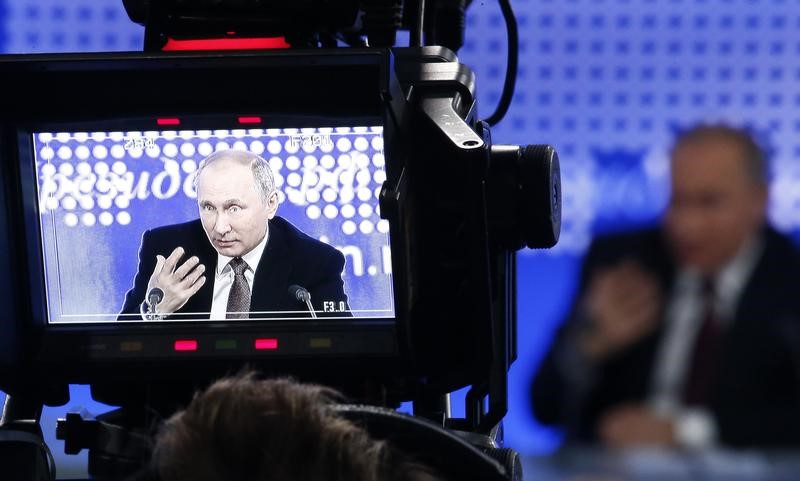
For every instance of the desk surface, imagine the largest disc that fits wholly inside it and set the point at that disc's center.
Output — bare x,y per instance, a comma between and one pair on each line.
662,465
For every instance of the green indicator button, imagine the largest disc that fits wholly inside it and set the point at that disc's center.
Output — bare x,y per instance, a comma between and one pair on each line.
320,342
225,344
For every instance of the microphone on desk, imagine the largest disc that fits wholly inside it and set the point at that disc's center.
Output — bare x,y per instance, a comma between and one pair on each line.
302,295
154,296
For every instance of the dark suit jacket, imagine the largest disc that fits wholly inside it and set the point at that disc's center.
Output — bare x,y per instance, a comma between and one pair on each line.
756,394
290,257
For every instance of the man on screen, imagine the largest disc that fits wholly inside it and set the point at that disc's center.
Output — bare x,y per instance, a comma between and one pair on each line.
238,260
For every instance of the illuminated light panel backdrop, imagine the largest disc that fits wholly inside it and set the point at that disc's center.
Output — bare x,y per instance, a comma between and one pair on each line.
99,191
608,82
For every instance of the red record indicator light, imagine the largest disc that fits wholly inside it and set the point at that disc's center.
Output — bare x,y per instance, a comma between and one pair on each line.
270,344
256,43
168,121
186,345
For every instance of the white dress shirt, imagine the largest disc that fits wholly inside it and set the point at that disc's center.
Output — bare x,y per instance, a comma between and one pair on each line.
223,278
695,427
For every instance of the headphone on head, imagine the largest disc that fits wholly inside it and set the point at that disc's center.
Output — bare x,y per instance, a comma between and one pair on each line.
444,450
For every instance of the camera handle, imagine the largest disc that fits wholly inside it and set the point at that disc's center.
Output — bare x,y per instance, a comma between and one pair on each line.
24,455
116,449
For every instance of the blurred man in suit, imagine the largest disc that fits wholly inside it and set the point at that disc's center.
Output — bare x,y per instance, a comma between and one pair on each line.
686,334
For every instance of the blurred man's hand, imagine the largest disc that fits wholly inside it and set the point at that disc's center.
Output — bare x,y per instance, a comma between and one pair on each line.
633,426
623,304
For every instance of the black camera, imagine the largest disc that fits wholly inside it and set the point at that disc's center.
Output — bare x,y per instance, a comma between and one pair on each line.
378,152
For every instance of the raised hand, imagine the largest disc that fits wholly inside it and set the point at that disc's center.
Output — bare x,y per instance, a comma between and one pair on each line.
623,304
179,282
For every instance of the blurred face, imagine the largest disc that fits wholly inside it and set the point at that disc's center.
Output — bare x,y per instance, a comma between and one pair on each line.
232,211
715,206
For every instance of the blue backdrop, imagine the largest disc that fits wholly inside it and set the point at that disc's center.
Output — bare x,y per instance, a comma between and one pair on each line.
608,82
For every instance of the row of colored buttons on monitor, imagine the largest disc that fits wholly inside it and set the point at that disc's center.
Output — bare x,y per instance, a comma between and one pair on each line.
262,344
269,344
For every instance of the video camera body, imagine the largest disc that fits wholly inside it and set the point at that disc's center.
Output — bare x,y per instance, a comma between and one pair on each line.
456,206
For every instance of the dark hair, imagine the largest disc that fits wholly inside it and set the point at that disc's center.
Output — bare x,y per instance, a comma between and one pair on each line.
752,154
242,428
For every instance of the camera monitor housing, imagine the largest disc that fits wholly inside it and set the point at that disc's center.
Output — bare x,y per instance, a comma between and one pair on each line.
376,155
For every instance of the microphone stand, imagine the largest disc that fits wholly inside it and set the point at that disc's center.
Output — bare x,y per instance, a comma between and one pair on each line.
307,298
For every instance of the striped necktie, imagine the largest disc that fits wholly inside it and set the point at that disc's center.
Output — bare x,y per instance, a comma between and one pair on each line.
239,297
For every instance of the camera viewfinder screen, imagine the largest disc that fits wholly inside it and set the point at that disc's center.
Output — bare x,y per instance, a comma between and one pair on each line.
192,225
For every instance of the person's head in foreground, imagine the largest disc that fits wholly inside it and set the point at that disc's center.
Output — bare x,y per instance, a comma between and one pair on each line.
244,428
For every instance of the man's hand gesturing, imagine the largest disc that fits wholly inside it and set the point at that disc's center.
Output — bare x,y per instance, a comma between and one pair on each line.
179,283
624,303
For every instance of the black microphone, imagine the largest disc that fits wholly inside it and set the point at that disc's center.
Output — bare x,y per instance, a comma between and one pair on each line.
154,296
299,293
302,295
